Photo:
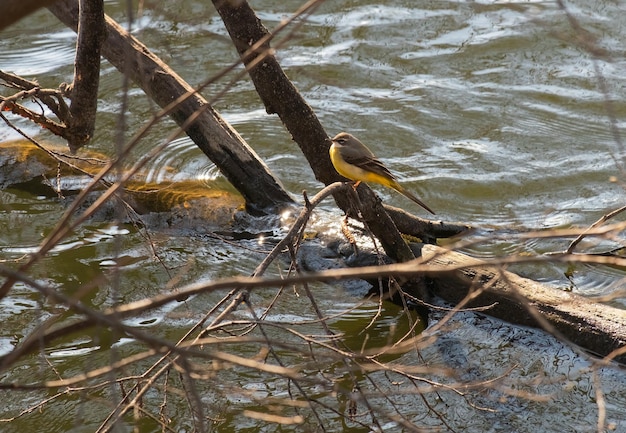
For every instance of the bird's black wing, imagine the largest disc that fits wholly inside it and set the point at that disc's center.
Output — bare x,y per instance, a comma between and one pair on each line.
368,162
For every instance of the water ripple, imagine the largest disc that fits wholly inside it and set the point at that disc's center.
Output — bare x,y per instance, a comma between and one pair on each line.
36,56
181,160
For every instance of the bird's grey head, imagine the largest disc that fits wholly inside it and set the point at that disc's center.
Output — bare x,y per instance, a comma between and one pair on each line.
342,138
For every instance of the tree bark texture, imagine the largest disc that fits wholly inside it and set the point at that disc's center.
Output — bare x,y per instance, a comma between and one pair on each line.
84,89
598,328
212,134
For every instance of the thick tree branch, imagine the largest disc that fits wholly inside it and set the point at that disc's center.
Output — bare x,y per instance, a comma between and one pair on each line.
84,89
209,131
280,96
595,327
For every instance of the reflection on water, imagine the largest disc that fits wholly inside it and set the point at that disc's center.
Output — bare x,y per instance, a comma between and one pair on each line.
372,327
487,110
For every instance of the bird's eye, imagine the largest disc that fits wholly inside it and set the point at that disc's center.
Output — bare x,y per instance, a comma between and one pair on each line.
341,140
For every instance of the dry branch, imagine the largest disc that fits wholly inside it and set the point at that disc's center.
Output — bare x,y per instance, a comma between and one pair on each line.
598,328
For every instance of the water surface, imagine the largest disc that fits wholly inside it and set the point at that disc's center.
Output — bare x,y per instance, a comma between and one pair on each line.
490,111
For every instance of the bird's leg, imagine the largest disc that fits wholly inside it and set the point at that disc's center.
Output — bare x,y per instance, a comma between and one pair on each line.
355,202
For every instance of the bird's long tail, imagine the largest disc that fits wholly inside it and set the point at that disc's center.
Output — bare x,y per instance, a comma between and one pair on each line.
410,196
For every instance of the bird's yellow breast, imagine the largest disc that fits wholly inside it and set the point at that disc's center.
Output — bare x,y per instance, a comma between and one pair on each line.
353,172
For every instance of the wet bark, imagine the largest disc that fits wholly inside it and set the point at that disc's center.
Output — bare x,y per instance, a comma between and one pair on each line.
212,134
428,231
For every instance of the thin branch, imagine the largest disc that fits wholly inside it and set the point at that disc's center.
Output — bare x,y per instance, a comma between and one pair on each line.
598,223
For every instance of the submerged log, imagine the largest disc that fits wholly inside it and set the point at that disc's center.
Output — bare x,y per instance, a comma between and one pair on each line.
597,328
50,172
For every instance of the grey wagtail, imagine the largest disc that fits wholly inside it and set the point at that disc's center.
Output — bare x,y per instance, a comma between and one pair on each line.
352,159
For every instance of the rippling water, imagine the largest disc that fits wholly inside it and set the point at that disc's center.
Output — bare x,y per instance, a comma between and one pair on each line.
490,111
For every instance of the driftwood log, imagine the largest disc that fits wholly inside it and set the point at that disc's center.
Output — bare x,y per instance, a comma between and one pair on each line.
597,328
209,131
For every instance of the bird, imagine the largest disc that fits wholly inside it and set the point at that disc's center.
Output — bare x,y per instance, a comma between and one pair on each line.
353,160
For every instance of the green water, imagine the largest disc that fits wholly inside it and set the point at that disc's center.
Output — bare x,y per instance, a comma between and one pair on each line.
488,110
